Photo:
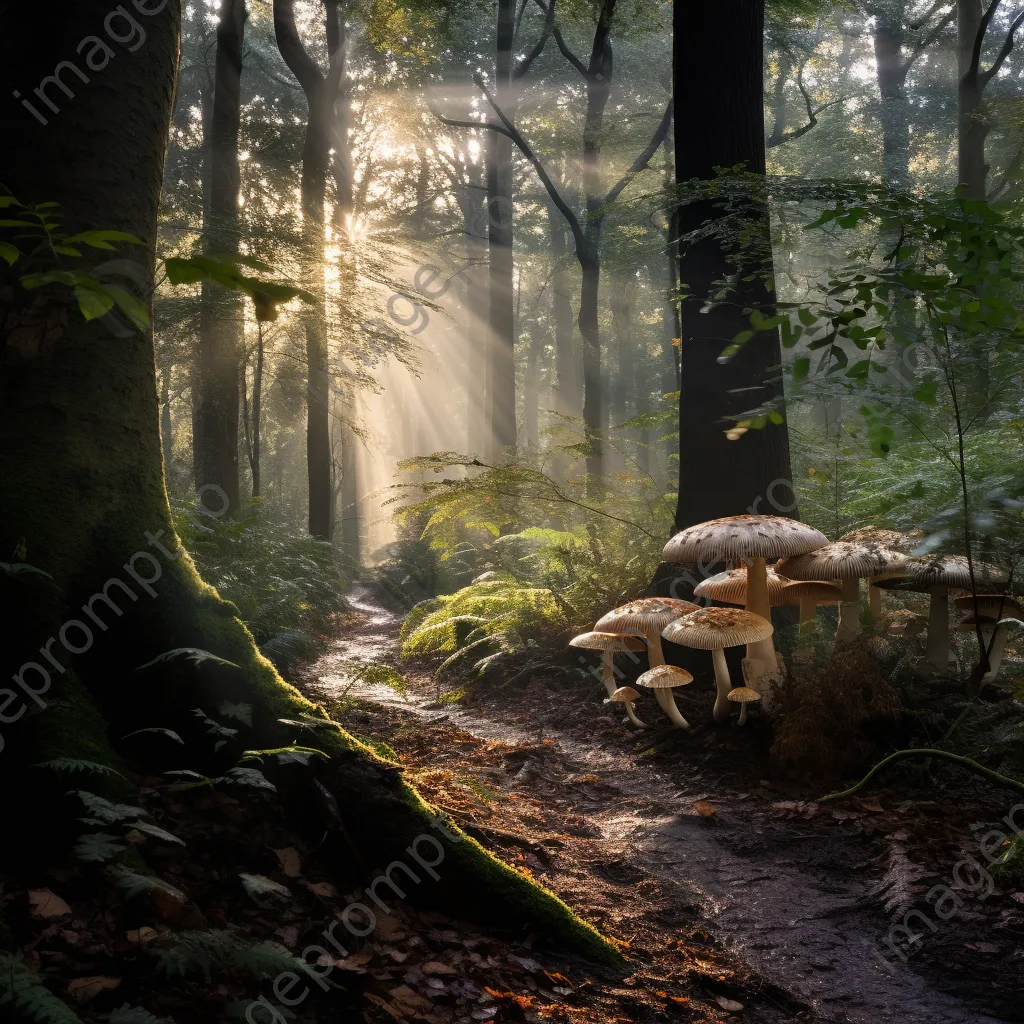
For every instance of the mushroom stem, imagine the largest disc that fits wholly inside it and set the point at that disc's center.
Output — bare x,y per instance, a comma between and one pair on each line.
667,703
874,599
994,645
608,678
849,610
758,602
723,684
937,651
743,714
655,654
808,616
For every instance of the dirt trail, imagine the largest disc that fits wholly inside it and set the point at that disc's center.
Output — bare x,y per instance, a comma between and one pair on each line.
788,902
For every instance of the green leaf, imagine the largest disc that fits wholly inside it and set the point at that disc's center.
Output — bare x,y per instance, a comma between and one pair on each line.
169,733
801,367
102,239
927,392
7,201
155,831
133,884
259,885
194,654
93,304
240,712
9,253
72,765
103,810
251,777
97,847
132,306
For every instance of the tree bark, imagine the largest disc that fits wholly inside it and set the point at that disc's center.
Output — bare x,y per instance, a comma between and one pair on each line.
567,370
971,117
221,322
531,398
166,433
719,119
500,207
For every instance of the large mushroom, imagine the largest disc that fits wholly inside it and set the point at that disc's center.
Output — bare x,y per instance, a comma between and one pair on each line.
608,644
891,540
936,575
750,539
848,562
714,629
663,679
646,617
730,587
995,613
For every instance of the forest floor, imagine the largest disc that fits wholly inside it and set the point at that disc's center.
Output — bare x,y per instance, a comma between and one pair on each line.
729,882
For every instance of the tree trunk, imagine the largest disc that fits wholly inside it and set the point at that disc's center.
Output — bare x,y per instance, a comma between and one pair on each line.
779,99
82,497
567,370
531,399
257,416
625,352
500,208
321,93
720,123
894,111
972,121
476,323
166,434
221,315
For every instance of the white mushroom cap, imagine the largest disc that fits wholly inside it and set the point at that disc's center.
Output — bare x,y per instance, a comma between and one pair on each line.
741,537
596,641
842,560
894,540
711,629
743,695
992,606
623,695
647,615
921,574
730,587
664,677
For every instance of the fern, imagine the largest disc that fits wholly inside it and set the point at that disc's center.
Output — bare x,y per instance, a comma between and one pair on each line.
222,950
133,884
195,655
251,777
23,992
71,765
259,885
97,847
239,712
169,733
134,1015
103,812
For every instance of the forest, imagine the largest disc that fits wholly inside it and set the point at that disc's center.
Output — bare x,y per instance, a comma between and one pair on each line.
512,510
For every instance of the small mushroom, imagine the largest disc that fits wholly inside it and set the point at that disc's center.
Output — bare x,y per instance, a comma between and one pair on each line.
996,612
848,562
623,695
662,679
936,575
743,695
608,644
714,629
750,539
646,617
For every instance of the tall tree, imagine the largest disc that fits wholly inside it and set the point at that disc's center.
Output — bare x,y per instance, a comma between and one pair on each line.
719,122
221,322
321,91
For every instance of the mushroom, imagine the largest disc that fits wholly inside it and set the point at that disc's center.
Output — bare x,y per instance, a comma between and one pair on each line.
608,644
891,540
623,695
936,575
750,539
808,594
662,679
730,587
743,695
714,629
646,617
847,561
995,613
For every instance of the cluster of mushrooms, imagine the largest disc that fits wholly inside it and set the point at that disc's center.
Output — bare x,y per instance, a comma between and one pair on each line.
807,571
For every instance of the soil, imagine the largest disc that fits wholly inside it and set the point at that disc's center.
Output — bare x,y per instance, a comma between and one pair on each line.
728,879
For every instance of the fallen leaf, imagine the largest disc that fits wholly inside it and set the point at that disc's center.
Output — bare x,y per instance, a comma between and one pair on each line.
290,863
385,1005
436,967
868,803
728,1004
82,990
167,906
46,904
322,888
142,936
704,809
682,1000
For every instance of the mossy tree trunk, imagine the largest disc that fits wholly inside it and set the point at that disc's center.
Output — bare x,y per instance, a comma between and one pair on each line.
82,495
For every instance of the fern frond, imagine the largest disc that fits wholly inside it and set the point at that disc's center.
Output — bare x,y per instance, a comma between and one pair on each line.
23,993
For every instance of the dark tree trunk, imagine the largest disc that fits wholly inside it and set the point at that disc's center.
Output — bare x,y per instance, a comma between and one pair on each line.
531,398
321,94
166,434
567,370
720,123
501,342
221,317
894,111
624,380
972,120
779,99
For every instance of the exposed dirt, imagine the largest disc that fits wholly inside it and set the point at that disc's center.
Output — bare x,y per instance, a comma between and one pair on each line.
695,842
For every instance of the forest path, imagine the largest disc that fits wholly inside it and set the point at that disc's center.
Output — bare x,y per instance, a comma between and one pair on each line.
793,903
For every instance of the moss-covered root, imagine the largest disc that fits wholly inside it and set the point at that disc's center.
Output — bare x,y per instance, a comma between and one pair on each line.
902,755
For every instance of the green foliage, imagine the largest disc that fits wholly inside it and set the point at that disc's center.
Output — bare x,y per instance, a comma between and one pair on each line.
97,847
133,884
259,885
23,993
207,953
134,1015
71,766
193,654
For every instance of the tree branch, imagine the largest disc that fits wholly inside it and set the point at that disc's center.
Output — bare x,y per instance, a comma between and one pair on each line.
931,37
1005,52
1011,169
971,75
641,162
583,247
549,23
453,122
563,47
812,115
299,62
